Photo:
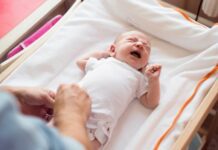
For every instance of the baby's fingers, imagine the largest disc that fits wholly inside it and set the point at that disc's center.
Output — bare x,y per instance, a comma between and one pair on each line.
155,68
152,69
158,68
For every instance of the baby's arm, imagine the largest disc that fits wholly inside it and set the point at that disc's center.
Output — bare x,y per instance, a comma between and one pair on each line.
81,63
152,97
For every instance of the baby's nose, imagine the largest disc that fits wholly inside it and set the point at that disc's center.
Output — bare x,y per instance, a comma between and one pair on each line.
139,45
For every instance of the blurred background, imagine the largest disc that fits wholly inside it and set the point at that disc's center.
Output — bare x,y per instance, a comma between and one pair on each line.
208,13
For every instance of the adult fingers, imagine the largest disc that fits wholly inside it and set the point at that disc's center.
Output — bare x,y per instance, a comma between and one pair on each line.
51,93
49,100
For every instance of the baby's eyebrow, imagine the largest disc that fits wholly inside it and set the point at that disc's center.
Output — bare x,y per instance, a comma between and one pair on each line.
147,43
133,38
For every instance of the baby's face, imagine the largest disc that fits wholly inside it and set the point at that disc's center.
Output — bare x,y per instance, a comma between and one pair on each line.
133,48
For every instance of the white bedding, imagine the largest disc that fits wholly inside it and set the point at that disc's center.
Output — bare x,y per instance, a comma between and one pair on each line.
186,51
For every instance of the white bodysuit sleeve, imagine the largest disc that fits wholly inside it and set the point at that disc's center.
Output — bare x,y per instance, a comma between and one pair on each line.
142,86
91,64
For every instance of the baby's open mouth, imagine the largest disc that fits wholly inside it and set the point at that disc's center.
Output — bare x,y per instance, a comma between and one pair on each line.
136,54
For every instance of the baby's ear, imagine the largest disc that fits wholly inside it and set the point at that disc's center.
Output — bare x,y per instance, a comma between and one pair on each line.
112,50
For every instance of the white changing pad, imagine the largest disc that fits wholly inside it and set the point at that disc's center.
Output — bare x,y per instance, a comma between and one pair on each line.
94,27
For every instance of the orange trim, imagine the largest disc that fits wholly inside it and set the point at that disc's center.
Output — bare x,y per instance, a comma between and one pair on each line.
207,76
185,16
188,18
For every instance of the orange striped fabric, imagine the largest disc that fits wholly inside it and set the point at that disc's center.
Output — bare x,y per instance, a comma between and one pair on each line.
185,16
188,18
163,136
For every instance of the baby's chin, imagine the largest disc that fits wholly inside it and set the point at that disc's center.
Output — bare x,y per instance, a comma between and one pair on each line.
136,67
131,64
140,68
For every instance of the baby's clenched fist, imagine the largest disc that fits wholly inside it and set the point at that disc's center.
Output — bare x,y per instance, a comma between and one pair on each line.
153,71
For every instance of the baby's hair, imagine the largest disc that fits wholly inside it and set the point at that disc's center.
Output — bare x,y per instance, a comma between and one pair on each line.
121,34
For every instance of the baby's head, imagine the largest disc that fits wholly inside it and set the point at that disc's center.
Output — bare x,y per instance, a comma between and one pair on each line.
133,48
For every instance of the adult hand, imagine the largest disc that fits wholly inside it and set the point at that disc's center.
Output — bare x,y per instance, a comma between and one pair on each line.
71,111
34,101
72,101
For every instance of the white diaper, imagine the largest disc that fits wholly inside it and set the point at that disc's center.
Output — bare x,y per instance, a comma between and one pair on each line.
99,129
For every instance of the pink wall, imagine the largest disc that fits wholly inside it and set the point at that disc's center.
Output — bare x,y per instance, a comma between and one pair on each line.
12,12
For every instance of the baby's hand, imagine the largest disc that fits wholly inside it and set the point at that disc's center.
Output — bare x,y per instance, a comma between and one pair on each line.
153,71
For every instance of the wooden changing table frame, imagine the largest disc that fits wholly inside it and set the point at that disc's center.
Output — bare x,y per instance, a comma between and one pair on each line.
194,123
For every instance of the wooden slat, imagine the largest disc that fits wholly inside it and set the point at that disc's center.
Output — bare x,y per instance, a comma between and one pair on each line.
197,119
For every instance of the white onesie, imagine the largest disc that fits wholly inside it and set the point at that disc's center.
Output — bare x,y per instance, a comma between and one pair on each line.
111,85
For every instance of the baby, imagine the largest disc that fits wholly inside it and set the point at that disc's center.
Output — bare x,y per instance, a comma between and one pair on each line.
114,78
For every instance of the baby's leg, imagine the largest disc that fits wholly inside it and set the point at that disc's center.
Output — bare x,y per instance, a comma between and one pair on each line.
96,144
